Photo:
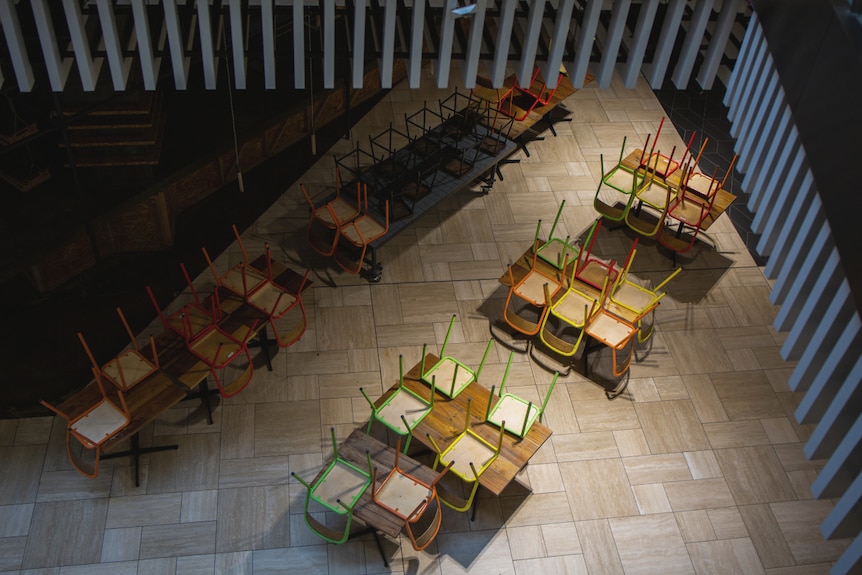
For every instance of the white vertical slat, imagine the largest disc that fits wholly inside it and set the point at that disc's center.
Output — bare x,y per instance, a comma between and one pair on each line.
417,30
612,42
834,424
504,36
17,47
207,49
743,60
816,253
298,45
388,59
149,64
798,212
832,372
783,159
748,87
267,26
237,43
474,44
88,67
796,254
752,147
117,64
57,68
845,519
834,477
691,45
667,37
639,43
578,68
772,223
718,43
179,62
358,43
447,36
816,343
751,62
551,70
851,560
328,44
531,41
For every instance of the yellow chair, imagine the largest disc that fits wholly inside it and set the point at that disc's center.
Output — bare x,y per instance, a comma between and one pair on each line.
572,310
468,456
638,299
657,195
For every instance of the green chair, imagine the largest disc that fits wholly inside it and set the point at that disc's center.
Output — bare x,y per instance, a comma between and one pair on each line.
516,409
448,369
403,410
554,250
617,189
470,456
337,488
638,299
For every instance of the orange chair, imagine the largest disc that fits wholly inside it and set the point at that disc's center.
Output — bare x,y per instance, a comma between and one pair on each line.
521,101
529,291
412,500
326,219
92,426
354,237
128,368
199,327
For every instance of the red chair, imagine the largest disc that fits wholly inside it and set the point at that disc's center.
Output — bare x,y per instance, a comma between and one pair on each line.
592,270
198,325
326,219
128,368
662,165
519,102
353,239
260,290
91,426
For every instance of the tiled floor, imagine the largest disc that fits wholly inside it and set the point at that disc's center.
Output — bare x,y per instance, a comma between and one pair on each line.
696,467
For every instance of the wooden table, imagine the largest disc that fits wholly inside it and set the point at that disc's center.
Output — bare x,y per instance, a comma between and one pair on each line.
446,421
723,198
383,459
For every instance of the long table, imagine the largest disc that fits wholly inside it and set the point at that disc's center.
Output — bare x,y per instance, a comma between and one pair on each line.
446,421
181,375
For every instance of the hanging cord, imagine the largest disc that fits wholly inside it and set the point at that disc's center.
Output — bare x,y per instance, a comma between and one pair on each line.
311,90
232,113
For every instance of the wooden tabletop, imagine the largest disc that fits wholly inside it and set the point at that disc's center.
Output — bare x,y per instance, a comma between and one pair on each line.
723,198
493,95
446,421
383,459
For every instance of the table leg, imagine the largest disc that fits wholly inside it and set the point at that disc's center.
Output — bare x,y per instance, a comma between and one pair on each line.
262,342
203,393
375,272
136,451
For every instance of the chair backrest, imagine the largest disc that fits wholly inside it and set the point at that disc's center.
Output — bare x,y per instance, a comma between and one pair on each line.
586,248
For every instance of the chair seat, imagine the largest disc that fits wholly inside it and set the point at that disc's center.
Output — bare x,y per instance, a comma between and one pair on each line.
632,297
101,423
402,403
689,212
595,272
341,481
512,410
571,307
662,165
343,209
369,229
216,348
532,289
133,365
611,331
232,280
271,299
468,448
401,494
444,370
655,195
622,180
552,252
701,184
